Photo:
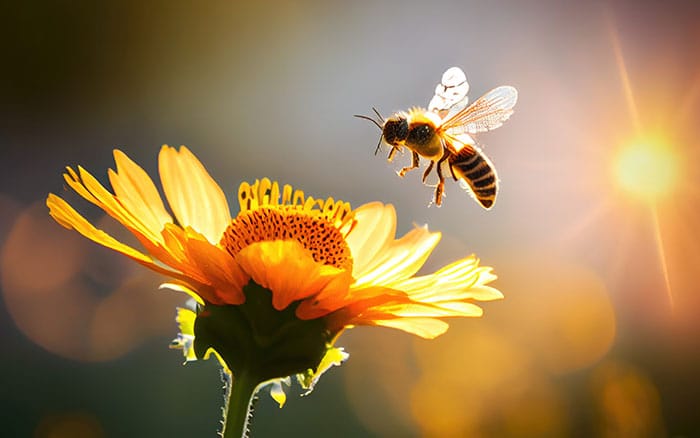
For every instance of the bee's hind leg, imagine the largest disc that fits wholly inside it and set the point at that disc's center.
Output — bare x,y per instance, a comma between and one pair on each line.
414,164
427,171
440,189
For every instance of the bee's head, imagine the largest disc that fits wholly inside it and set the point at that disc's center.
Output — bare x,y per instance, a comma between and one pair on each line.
395,130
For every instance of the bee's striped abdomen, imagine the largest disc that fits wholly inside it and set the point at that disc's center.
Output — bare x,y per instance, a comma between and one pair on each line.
474,168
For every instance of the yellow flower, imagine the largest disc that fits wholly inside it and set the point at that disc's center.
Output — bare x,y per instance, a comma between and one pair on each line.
279,282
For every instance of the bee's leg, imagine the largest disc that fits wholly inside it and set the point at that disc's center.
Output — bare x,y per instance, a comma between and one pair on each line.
391,153
414,164
441,183
394,150
427,171
452,171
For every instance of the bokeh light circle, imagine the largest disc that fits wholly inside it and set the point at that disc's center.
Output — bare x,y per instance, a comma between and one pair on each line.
69,425
77,299
626,400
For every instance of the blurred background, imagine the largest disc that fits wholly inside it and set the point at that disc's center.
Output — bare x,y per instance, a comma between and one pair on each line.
594,236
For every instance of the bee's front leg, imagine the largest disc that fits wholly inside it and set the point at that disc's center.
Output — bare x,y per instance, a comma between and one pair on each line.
414,164
393,151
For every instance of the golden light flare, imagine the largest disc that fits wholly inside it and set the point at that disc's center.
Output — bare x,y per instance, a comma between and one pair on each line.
647,169
655,144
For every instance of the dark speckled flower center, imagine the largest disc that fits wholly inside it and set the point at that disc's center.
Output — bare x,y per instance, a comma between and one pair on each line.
317,235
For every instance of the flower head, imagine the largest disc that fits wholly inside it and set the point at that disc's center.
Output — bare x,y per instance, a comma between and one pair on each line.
279,282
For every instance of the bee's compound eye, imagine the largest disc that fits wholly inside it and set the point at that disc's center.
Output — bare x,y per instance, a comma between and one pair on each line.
395,130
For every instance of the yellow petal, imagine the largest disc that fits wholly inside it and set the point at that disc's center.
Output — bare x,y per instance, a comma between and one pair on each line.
193,195
374,229
441,310
427,328
65,215
104,199
137,193
459,281
175,254
402,258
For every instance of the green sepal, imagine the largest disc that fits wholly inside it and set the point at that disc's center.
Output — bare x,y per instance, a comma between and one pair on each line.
256,338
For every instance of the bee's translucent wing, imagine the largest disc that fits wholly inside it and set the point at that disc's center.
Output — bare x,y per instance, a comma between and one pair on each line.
455,142
486,113
450,92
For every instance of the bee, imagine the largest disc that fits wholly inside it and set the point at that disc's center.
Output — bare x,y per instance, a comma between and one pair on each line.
443,134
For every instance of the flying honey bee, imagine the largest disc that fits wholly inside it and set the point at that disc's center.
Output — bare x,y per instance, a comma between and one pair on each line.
443,133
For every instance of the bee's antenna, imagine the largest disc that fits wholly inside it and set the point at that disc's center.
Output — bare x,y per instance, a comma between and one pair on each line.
360,116
379,125
378,144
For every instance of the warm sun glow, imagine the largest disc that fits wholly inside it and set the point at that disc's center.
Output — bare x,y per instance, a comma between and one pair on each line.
647,169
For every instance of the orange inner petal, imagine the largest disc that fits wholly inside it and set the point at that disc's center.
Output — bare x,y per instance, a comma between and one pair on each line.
287,269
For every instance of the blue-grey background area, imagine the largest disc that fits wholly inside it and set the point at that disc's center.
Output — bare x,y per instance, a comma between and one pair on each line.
269,89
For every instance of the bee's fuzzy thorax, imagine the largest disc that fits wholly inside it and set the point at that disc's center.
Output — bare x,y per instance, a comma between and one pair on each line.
423,116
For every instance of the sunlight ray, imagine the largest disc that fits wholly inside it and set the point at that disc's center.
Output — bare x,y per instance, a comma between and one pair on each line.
624,74
686,109
662,255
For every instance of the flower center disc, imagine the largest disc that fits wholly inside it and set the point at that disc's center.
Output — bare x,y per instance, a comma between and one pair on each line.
317,235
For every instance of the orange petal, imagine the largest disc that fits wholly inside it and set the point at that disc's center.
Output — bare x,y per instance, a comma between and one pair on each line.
193,195
220,278
290,272
220,268
362,305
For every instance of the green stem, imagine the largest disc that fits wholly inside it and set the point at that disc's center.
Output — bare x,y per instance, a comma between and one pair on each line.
238,405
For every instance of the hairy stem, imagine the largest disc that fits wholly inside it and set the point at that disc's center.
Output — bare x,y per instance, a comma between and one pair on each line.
238,405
